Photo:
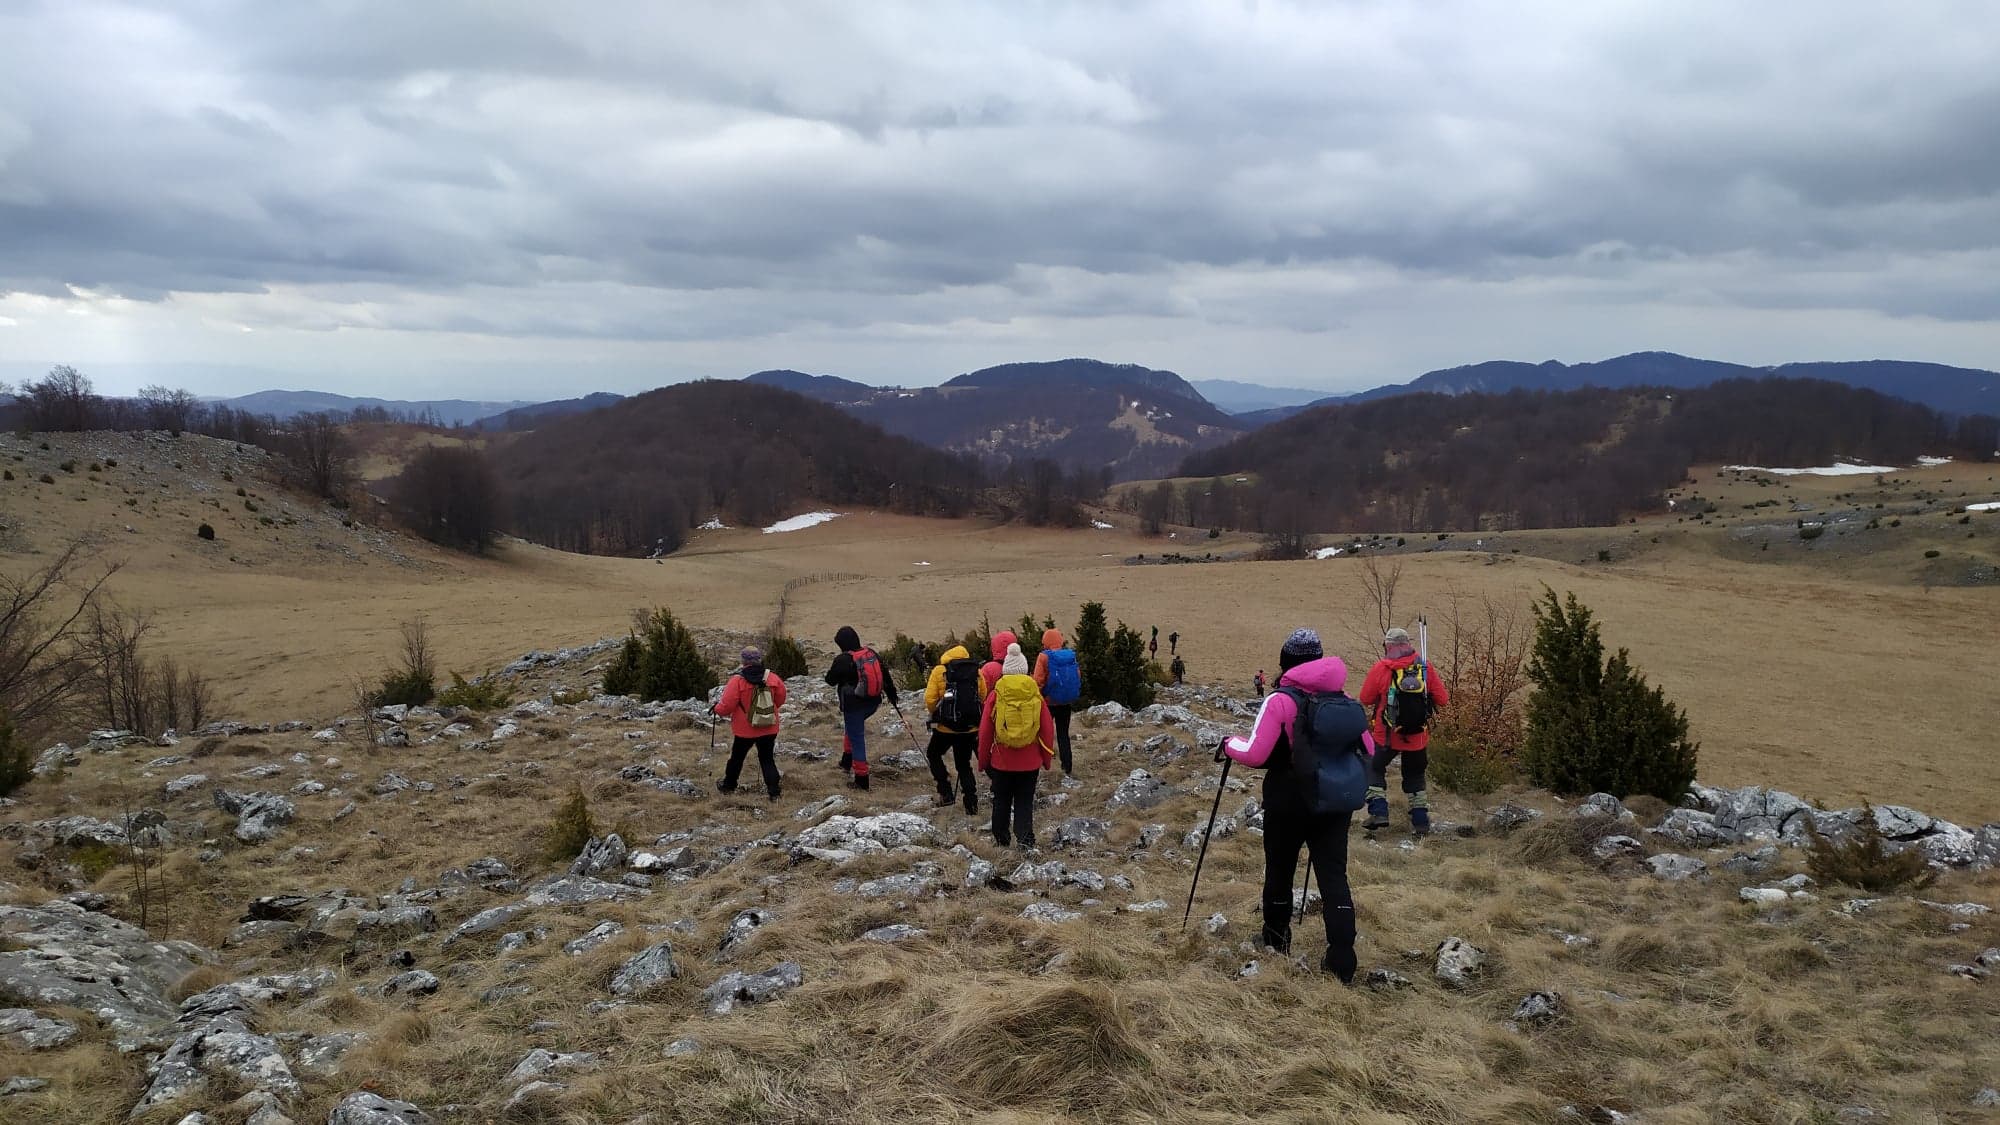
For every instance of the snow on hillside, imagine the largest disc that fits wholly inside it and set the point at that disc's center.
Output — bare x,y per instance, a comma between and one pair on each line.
1840,470
800,523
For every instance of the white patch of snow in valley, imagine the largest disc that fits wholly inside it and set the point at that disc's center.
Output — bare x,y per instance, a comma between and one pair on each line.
1329,552
1933,462
1992,507
800,523
1100,525
714,524
1841,470
920,564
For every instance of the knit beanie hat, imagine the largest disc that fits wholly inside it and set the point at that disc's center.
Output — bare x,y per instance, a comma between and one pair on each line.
1016,664
1300,647
752,656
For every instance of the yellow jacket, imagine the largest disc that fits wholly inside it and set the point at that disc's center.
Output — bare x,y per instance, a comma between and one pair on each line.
934,690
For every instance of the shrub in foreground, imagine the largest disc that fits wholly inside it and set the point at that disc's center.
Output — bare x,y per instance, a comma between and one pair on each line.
1863,860
572,826
17,765
484,694
784,657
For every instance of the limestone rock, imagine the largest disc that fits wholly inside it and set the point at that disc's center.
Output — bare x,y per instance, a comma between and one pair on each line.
541,1061
744,924
374,1109
1605,806
597,935
577,890
893,933
1611,847
60,955
258,815
1077,831
1692,828
416,982
1538,1008
1139,790
600,857
1050,912
1508,817
738,989
645,971
34,1032
1457,961
1676,868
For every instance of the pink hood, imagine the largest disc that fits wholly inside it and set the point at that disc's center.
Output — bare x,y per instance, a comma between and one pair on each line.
1279,713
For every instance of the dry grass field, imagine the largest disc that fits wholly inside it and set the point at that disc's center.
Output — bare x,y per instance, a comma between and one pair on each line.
1801,668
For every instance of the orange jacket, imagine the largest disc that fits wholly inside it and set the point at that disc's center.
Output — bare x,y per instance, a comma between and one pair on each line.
737,696
997,755
1375,697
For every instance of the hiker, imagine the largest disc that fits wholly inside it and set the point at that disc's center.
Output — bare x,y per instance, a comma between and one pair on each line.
858,677
1180,670
1153,646
920,656
1401,692
1259,681
1306,677
751,700
1173,642
955,699
1016,737
990,671
1061,681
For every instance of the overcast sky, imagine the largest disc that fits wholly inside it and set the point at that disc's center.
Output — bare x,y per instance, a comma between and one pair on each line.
516,198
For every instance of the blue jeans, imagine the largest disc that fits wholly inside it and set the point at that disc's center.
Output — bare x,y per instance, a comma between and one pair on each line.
855,724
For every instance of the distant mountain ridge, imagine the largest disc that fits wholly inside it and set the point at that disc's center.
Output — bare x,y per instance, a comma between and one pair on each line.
826,388
1241,398
290,404
528,417
1953,390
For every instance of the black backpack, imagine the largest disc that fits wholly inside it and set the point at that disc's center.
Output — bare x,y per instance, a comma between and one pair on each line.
1408,710
1329,758
958,708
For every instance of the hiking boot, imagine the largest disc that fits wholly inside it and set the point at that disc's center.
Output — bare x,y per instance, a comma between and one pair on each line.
725,787
1278,941
846,760
971,802
860,781
1375,823
1420,822
772,795
946,797
1340,962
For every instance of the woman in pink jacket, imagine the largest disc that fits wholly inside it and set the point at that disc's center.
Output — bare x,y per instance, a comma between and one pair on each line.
1304,670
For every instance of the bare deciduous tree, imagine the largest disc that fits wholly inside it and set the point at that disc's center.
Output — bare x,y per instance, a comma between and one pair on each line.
61,400
319,449
47,619
169,408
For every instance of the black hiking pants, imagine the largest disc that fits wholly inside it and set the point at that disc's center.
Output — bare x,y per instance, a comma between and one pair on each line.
1061,713
739,747
1014,802
963,748
1287,828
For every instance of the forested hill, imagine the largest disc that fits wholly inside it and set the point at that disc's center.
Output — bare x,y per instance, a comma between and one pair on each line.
1429,462
643,471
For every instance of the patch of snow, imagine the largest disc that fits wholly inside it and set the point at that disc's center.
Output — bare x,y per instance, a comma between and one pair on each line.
1840,470
714,524
1992,507
1242,480
1933,462
1100,525
1329,552
920,564
800,523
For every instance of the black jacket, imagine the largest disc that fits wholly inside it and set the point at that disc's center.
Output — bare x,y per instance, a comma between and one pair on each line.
844,678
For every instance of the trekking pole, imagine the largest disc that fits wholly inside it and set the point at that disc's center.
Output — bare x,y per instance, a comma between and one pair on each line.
1423,640
1305,888
897,706
1220,784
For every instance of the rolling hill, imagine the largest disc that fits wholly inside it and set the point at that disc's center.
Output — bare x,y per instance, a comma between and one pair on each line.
288,404
528,417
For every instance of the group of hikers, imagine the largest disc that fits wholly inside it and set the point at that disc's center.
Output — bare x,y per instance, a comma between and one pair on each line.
1325,755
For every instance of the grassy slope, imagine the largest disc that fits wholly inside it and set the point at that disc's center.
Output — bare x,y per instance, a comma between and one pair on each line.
1686,1003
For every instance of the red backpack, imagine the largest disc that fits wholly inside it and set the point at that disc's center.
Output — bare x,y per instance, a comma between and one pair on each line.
867,674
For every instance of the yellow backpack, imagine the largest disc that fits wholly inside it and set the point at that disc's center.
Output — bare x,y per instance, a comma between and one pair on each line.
1017,718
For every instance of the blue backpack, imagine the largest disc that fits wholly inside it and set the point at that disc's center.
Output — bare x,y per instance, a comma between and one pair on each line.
1329,759
1065,682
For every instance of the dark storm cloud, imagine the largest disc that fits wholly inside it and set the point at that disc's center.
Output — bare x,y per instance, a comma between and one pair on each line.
749,167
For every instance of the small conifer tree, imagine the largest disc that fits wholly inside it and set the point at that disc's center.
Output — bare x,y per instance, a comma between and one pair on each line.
1595,726
1092,643
1126,679
622,677
659,661
572,828
1864,860
784,658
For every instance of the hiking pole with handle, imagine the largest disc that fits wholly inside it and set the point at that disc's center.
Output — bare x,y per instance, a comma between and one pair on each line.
896,705
1305,888
1220,785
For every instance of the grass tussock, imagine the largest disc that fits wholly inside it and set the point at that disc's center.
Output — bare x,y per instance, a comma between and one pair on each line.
1554,839
1045,1045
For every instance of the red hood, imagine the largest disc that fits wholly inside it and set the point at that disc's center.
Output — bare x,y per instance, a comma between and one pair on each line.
1400,662
1328,673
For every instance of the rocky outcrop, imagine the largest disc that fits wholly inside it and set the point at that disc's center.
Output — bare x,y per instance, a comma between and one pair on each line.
258,815
737,990
61,955
374,1109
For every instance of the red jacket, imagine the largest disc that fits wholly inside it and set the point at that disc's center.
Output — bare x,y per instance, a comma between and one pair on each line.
1375,697
997,755
738,695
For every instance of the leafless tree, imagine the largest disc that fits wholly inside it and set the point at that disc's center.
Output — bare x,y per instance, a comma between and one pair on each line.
169,408
319,449
61,400
47,620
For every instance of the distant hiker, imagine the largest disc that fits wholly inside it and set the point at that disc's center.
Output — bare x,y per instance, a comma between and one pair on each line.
1173,642
1259,681
1016,738
920,656
751,700
1153,646
1061,681
1308,729
858,677
955,698
1180,670
990,671
1402,693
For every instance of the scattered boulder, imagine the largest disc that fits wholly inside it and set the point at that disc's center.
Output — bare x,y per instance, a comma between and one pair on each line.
1139,790
744,924
739,989
894,933
644,971
597,935
374,1109
1692,828
258,815
1108,714
1050,912
184,784
841,838
415,982
1384,980
1507,817
1077,831
1537,1008
320,1055
600,857
1457,962
1605,806
61,955
1675,868
20,1085
542,1061
1764,896
36,1033
487,921
577,890
1611,847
